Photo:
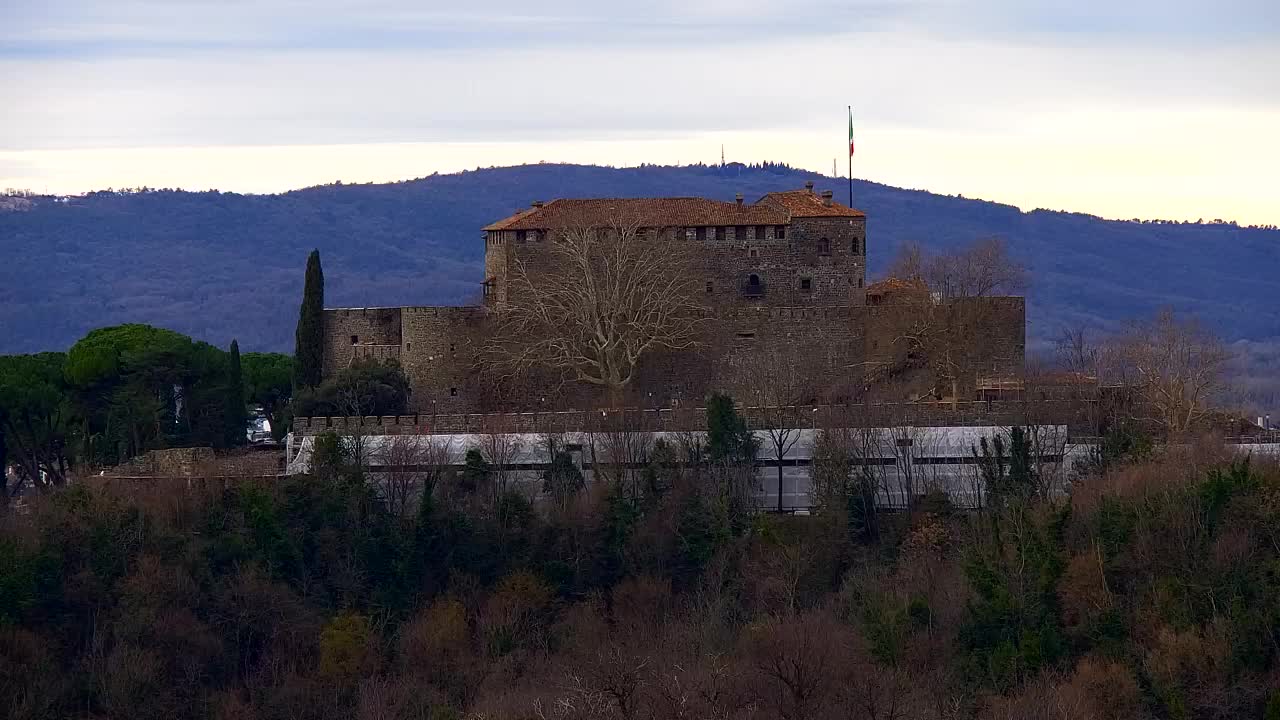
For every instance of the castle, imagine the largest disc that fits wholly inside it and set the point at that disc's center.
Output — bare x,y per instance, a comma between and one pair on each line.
784,275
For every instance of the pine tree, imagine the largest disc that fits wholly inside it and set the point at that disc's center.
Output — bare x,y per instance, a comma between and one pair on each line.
728,439
309,350
237,415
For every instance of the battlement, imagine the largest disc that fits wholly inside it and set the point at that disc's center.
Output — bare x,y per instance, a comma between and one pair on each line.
1075,414
458,311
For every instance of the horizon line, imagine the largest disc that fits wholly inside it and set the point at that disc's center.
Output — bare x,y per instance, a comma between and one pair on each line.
21,192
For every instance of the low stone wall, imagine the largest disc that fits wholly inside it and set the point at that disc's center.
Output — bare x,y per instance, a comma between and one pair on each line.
1072,413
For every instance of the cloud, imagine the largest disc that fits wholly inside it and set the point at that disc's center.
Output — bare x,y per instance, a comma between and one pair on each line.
89,76
132,28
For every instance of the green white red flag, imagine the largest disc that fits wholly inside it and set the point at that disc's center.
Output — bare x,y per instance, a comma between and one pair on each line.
850,132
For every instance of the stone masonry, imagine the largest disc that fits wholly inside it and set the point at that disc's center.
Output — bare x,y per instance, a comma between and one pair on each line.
786,273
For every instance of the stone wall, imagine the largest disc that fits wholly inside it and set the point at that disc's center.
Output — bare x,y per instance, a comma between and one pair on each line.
796,289
1074,414
859,351
439,356
981,338
346,329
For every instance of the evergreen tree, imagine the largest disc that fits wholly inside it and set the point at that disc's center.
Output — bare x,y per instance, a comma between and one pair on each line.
4,461
309,348
237,412
562,479
728,439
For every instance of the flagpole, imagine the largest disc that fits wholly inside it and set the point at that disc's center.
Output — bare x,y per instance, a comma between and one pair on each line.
851,158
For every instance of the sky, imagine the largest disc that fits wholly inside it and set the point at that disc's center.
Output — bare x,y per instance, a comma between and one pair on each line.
1124,108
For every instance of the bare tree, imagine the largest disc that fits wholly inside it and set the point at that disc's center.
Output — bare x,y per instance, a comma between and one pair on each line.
594,302
415,464
909,262
1077,350
946,320
620,445
982,269
778,384
501,448
1176,365
352,403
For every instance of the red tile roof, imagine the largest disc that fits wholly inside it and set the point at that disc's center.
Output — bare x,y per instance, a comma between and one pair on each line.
650,212
806,203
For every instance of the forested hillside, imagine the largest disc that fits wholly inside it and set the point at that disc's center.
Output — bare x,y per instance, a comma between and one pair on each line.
217,265
1150,594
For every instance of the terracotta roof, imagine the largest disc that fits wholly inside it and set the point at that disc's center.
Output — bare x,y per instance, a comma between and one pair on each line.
806,203
895,285
651,212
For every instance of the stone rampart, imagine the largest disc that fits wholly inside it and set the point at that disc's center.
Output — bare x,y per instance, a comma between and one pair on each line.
1074,414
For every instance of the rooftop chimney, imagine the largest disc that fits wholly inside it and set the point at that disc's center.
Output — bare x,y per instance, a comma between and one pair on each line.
826,197
809,186
739,199
537,203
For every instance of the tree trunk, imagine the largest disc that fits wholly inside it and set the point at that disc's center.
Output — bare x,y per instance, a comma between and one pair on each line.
779,479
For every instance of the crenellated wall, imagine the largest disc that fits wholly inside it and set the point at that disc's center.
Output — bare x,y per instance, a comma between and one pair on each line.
1076,414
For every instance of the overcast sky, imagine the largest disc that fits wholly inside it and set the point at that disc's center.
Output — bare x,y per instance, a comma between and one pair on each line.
1123,108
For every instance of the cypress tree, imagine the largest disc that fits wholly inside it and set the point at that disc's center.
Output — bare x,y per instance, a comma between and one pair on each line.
237,412
309,349
728,439
4,460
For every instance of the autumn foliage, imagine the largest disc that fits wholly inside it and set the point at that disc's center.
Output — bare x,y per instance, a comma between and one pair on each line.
1152,592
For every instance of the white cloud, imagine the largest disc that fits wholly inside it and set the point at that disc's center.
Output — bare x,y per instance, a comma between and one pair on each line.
1072,102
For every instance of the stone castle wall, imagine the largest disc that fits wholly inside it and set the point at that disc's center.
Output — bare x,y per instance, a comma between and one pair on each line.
353,333
439,356
1075,414
795,290
439,347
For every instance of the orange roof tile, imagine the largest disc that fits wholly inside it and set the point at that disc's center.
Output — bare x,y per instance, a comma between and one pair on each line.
650,212
806,203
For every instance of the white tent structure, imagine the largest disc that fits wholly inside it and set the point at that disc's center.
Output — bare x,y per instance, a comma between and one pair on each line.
903,462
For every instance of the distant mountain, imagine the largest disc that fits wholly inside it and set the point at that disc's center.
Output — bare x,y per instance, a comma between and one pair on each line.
221,265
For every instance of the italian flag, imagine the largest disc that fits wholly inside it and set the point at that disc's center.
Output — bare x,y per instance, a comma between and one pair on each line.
850,132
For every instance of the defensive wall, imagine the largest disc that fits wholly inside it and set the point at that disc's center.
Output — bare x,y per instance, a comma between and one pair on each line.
861,353
1075,414
782,276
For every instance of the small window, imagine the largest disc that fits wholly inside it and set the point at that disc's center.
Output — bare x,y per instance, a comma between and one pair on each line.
746,335
824,247
759,232
408,346
453,347
700,234
453,392
520,236
859,282
355,339
806,284
780,232
752,252
740,232
853,246
710,287
721,231
754,281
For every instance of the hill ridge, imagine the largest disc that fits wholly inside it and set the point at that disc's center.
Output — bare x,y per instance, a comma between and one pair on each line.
218,265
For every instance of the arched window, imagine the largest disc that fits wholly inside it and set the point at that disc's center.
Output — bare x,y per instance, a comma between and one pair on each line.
754,281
